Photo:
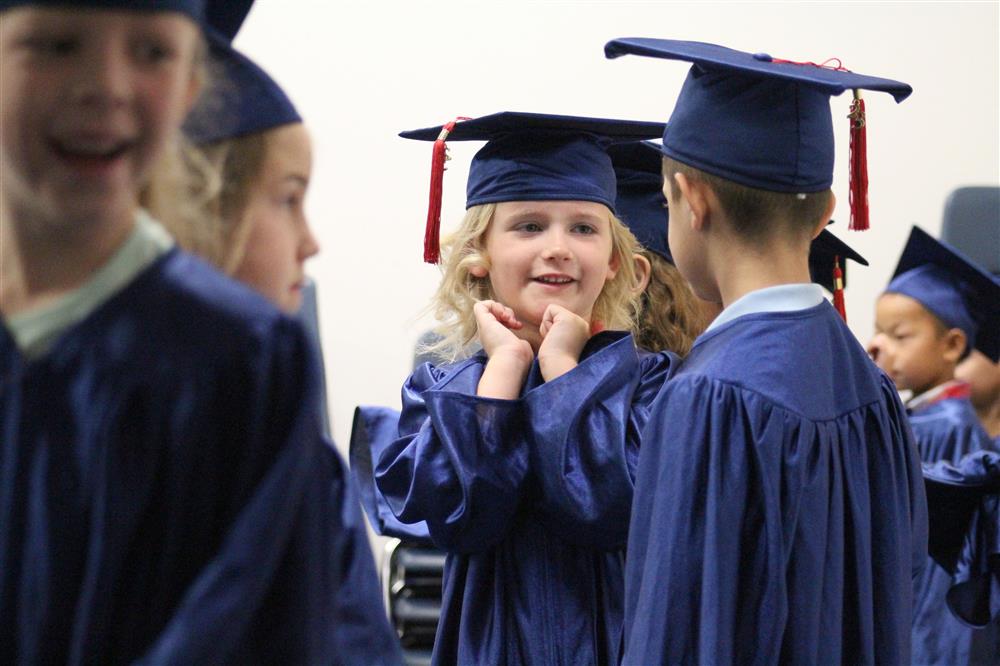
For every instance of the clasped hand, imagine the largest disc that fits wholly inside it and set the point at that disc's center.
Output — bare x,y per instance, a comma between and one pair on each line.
563,335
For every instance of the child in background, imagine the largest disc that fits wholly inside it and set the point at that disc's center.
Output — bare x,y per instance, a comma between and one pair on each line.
520,459
779,509
936,308
983,377
252,134
165,493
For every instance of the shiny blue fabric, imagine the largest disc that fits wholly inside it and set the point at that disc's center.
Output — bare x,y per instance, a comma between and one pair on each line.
944,430
779,511
166,495
529,497
373,430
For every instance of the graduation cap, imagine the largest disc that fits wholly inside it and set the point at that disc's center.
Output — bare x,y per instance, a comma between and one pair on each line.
952,288
529,157
828,257
226,17
640,202
246,99
762,121
193,8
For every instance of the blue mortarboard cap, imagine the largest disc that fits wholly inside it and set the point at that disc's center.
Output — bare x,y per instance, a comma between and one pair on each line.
753,119
530,157
541,157
193,8
825,251
952,288
226,17
245,101
641,204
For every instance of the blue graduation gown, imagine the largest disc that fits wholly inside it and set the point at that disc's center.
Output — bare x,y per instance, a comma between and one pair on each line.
529,497
779,511
166,495
963,501
374,429
944,430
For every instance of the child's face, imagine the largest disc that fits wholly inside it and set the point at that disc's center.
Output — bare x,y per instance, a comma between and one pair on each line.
90,99
983,376
279,240
545,252
910,344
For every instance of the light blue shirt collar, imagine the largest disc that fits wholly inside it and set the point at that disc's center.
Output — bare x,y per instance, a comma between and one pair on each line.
783,298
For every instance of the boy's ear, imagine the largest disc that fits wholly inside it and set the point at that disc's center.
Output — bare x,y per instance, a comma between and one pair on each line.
643,272
827,214
479,271
955,342
694,194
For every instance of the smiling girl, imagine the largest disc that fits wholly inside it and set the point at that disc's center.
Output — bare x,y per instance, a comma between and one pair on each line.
165,493
519,460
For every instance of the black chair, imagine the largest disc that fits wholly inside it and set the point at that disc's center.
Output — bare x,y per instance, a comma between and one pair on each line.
972,224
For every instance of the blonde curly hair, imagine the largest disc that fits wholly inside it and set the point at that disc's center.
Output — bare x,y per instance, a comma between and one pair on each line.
617,306
671,318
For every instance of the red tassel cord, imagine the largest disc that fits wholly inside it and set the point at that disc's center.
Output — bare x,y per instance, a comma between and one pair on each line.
859,165
432,232
838,289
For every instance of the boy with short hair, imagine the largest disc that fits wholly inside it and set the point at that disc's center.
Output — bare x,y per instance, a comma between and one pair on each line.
937,308
779,513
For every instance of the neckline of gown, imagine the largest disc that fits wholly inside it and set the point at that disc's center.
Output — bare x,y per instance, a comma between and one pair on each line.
81,327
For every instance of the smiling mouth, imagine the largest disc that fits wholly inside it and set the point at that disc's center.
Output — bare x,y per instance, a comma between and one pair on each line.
555,280
84,154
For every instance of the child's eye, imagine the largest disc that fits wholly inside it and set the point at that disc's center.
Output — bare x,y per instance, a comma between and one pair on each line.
585,229
53,46
529,227
152,52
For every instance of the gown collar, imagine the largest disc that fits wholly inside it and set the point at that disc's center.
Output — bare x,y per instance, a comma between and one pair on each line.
782,298
949,389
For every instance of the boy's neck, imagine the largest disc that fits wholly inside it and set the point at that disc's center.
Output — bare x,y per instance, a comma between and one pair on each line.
739,269
39,261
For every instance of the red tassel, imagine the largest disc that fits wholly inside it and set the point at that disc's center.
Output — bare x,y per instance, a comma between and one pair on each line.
838,289
432,233
859,165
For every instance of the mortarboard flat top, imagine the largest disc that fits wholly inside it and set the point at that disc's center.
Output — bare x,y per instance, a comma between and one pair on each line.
751,118
953,288
641,204
193,8
246,101
824,249
715,57
541,157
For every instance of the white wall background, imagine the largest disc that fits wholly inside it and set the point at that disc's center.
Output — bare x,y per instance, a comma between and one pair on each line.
362,71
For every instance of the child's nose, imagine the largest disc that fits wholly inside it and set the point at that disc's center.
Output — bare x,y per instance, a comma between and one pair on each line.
309,247
105,78
556,248
875,347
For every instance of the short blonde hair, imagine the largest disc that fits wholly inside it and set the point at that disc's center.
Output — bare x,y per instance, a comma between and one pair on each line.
617,305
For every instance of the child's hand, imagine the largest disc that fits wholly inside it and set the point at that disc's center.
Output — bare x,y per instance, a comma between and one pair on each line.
510,357
563,336
496,323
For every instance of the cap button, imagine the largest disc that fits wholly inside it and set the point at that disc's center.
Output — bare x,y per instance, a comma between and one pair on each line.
763,57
